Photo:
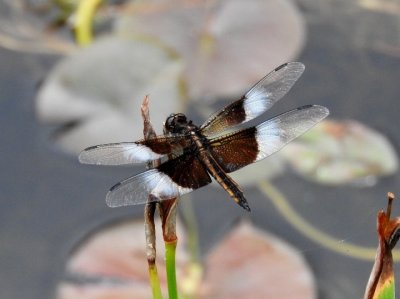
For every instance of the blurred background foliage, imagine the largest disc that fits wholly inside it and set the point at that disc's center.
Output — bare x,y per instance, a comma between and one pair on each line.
75,72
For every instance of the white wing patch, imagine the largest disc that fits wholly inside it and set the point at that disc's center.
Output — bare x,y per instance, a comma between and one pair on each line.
117,154
137,189
256,103
271,88
139,153
275,133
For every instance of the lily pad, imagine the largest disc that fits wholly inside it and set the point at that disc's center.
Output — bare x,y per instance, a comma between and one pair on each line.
250,263
247,263
335,153
25,26
99,89
227,45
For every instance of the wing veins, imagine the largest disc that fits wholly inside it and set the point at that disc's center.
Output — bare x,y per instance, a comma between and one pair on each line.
243,147
262,96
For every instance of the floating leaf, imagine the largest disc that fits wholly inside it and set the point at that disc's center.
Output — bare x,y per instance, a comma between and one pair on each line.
248,263
381,281
100,89
94,94
226,45
336,153
385,6
24,27
115,258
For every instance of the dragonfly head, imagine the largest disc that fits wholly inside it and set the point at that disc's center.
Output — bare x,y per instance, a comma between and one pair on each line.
176,123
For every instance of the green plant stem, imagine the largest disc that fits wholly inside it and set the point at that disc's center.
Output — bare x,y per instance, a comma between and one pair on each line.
150,233
299,223
84,21
170,248
155,282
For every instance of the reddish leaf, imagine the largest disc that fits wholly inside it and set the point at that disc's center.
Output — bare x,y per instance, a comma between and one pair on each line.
381,282
248,263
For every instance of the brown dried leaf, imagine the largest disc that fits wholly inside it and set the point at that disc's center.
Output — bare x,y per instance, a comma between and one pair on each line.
381,281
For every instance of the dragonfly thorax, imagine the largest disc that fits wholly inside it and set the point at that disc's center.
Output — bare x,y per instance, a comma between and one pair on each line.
177,123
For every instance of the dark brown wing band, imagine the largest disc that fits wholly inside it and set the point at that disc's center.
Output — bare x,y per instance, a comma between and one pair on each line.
236,150
186,171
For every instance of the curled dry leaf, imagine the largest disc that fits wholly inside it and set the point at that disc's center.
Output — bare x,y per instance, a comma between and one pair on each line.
227,45
381,281
247,263
336,153
100,89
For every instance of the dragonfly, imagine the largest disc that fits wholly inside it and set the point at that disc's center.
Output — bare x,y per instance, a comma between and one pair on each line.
192,155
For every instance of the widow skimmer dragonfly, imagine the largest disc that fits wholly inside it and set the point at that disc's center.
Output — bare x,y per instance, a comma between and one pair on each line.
194,153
